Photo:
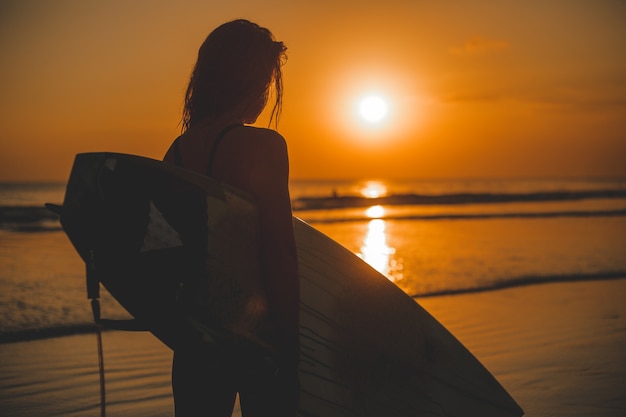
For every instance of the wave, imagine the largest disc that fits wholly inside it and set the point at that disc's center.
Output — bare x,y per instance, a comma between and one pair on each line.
472,216
522,281
28,219
525,281
337,202
33,218
46,333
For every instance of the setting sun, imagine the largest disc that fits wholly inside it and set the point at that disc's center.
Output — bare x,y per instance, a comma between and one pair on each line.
373,109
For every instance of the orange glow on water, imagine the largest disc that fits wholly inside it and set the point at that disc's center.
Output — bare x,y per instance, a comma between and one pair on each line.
375,212
377,252
374,189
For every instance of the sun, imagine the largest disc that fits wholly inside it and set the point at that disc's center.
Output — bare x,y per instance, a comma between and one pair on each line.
373,109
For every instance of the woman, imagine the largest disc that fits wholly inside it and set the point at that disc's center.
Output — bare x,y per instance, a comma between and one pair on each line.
237,66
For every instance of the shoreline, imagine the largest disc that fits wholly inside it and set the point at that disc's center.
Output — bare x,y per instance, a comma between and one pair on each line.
557,348
16,336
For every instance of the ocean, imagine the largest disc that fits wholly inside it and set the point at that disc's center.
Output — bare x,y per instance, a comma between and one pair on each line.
428,237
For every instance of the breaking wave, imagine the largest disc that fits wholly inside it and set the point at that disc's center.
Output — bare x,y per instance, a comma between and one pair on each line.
525,281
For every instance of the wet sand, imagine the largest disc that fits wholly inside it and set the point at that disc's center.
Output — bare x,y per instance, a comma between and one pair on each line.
557,348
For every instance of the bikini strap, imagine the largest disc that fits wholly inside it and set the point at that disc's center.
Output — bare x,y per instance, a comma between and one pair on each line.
176,148
216,143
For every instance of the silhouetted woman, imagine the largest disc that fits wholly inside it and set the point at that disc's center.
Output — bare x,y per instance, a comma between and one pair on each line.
238,65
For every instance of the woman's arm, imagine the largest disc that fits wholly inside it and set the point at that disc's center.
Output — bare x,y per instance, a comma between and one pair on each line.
270,186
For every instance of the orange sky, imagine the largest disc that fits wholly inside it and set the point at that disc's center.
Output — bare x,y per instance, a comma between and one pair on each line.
475,88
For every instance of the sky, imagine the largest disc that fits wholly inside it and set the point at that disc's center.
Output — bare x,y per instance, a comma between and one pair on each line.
472,89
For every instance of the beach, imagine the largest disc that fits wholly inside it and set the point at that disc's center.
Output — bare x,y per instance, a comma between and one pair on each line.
557,348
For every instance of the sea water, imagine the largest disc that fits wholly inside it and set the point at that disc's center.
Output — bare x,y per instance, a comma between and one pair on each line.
428,237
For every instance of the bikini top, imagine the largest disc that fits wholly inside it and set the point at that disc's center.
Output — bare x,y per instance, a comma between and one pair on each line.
179,160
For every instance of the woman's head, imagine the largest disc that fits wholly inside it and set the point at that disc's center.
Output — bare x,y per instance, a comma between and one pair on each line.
236,66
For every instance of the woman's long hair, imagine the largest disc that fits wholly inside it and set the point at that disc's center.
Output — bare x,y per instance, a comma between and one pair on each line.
236,66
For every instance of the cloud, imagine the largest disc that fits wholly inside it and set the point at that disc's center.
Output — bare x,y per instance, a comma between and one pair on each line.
479,45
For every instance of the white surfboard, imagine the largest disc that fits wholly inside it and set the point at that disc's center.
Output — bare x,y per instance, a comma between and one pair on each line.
367,348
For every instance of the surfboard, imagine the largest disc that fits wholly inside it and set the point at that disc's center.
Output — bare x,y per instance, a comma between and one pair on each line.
366,348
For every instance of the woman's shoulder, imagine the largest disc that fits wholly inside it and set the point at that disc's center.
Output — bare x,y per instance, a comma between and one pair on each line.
267,140
263,133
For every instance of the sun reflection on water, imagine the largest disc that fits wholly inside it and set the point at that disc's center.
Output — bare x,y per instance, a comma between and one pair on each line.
375,250
374,189
375,212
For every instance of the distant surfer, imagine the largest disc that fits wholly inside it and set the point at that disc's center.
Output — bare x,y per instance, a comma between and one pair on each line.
238,64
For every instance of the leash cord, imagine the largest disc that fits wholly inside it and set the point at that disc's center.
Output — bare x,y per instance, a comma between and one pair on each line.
101,371
93,293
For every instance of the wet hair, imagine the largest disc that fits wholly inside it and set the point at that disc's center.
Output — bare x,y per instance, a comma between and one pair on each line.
236,66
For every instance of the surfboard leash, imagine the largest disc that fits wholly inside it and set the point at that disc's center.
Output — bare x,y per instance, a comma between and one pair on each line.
93,293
